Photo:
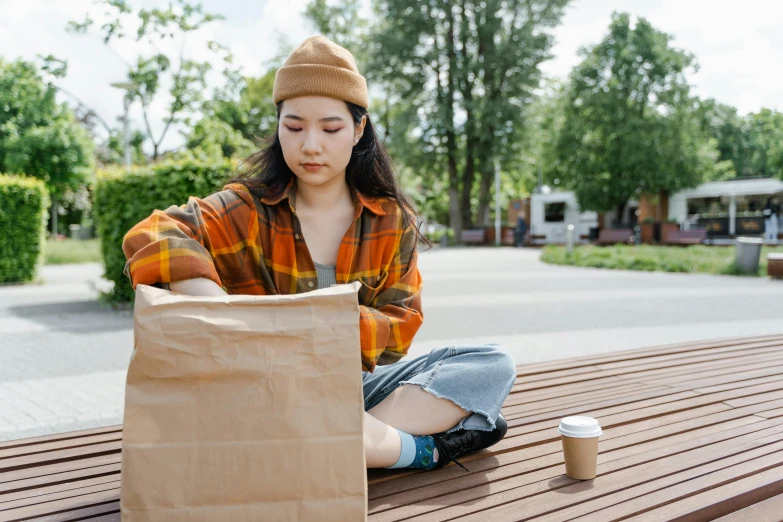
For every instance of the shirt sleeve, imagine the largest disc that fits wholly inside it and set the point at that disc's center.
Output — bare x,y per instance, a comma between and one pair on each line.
180,242
388,326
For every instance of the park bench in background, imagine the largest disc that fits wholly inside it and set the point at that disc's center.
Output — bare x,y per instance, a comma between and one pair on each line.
775,264
695,236
691,432
473,237
609,236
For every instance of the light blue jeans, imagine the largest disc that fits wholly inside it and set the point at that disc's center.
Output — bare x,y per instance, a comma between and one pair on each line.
475,378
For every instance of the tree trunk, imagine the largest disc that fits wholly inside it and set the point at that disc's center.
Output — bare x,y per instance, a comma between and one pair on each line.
451,138
54,217
468,175
620,211
487,178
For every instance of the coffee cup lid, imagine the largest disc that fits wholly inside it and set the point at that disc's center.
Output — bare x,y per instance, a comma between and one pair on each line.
580,427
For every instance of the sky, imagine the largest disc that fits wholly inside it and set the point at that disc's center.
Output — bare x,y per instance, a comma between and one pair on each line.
738,45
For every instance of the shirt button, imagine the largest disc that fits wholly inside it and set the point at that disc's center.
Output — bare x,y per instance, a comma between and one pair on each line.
310,284
296,236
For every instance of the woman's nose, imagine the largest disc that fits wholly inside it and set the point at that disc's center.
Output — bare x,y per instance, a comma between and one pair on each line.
311,144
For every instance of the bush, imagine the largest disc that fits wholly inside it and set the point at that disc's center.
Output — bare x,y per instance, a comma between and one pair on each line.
23,204
121,200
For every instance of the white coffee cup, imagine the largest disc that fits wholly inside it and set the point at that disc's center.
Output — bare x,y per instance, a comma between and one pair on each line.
580,435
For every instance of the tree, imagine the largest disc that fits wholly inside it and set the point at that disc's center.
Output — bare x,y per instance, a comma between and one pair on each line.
247,106
765,136
215,138
456,77
155,26
38,136
631,126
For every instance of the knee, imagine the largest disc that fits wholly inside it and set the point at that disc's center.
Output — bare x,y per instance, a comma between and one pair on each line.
506,363
503,366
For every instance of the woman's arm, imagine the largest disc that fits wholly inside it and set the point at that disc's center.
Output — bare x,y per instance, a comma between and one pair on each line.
182,242
388,325
198,286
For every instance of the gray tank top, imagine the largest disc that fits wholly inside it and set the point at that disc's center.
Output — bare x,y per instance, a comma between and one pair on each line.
327,275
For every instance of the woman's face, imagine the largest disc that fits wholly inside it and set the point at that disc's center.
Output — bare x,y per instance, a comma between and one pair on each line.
317,135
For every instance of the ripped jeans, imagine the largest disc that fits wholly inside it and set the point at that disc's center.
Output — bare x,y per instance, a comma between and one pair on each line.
476,378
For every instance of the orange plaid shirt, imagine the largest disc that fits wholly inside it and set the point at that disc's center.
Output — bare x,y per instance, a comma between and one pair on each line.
255,246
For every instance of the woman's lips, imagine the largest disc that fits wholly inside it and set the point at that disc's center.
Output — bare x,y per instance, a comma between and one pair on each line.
312,167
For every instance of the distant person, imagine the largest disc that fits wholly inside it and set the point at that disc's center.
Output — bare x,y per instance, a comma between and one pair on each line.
521,230
770,213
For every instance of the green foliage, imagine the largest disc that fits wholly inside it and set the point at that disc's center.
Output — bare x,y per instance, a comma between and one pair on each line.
690,259
122,200
26,102
61,154
211,137
765,135
187,83
41,138
246,104
455,79
23,204
631,125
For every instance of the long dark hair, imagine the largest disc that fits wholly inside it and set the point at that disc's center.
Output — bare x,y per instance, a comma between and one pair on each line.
370,170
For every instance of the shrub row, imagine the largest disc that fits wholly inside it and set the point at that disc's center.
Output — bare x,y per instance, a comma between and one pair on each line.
23,205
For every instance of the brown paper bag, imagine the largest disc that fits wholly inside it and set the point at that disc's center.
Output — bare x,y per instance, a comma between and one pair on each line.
243,408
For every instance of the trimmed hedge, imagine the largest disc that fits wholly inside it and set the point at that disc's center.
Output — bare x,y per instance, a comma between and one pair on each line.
23,205
122,199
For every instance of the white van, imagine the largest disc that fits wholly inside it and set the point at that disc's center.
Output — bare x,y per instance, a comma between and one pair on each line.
552,213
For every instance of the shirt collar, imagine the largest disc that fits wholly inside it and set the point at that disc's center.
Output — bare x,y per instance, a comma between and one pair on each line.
360,200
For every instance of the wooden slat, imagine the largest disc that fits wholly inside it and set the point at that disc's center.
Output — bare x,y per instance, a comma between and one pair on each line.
719,501
26,461
644,370
59,445
769,510
506,499
59,437
50,488
45,470
550,466
690,430
671,361
623,355
58,478
646,496
89,504
80,490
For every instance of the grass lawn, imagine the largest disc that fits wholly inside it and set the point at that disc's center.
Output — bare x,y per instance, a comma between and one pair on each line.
64,251
689,259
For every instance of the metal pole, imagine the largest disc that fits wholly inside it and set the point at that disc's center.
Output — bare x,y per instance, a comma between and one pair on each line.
126,134
570,239
497,202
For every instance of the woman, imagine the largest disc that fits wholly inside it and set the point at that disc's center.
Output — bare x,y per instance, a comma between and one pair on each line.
320,206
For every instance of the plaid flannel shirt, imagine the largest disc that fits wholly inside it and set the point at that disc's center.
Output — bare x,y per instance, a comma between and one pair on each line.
255,246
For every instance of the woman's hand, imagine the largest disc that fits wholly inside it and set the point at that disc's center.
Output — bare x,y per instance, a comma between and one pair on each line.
198,286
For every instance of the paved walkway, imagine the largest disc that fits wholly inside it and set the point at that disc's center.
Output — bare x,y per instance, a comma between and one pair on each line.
63,357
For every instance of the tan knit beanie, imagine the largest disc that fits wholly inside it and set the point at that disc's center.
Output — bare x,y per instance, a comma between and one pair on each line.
321,67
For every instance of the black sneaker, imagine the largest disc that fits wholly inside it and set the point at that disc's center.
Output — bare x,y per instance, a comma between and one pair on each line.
462,442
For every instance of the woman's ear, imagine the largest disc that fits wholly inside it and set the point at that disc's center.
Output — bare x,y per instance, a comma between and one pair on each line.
359,131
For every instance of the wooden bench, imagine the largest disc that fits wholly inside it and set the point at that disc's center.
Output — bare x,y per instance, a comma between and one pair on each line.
608,236
775,264
694,236
691,432
473,237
